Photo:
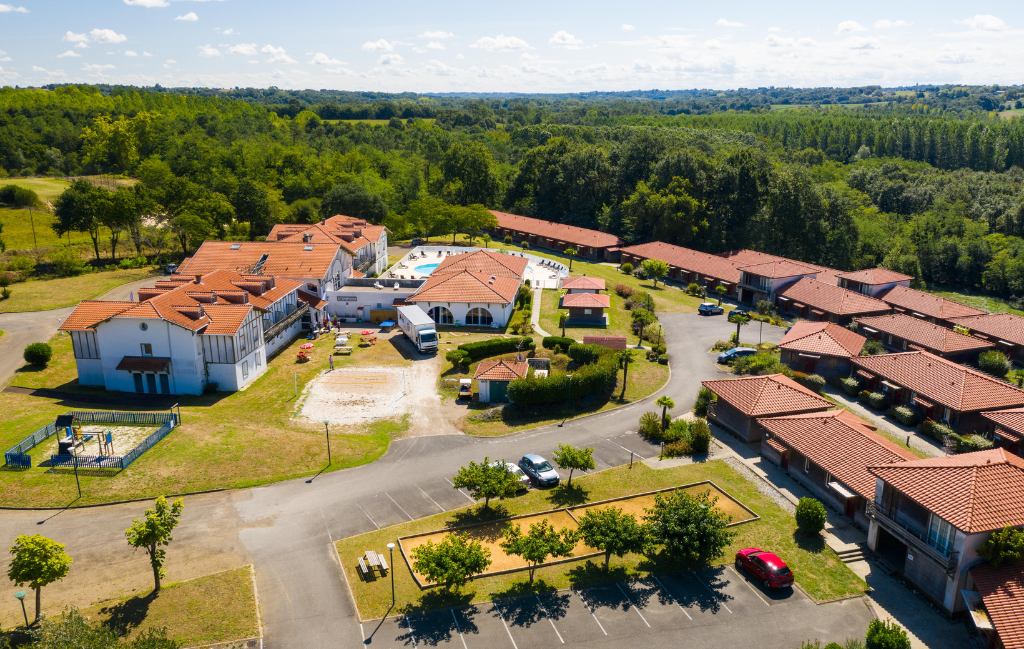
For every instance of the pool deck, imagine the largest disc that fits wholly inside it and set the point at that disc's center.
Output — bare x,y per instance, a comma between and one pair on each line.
409,266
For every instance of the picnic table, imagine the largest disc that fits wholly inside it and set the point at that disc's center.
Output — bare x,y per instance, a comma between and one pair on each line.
371,560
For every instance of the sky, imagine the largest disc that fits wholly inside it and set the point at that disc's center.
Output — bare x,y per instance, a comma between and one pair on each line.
526,46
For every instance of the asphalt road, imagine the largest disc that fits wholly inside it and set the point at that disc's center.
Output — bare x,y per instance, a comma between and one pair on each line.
287,529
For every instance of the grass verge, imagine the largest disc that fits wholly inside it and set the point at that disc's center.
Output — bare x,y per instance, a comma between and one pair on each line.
818,570
45,294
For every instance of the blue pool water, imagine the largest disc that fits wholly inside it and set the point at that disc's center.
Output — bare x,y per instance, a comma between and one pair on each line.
426,269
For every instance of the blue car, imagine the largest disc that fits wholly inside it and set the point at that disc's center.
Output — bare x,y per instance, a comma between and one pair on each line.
734,353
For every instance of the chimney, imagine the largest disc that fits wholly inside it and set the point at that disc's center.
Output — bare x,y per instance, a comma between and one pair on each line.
199,279
306,237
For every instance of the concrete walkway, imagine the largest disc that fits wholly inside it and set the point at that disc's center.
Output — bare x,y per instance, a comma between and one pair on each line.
535,314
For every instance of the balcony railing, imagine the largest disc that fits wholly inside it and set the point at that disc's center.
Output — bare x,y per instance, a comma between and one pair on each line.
289,320
366,265
912,536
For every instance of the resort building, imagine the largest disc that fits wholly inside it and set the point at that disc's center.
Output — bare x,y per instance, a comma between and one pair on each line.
688,266
932,308
474,289
872,281
365,244
901,332
738,402
589,244
822,348
815,300
493,378
1004,330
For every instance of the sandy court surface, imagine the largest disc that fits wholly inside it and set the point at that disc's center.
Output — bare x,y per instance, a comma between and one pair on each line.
125,439
356,394
637,505
490,535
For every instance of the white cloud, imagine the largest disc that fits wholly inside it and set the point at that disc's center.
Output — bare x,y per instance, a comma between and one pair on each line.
96,67
564,39
253,62
626,27
459,57
983,22
436,35
82,46
107,36
146,54
850,26
955,58
322,59
501,43
130,53
4,57
434,45
807,42
69,53
170,61
390,59
378,46
208,50
775,29
722,22
75,38
778,41
146,3
277,54
227,32
190,17
419,50
885,23
5,8
245,49
859,43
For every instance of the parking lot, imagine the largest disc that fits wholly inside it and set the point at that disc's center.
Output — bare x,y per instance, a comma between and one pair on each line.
712,607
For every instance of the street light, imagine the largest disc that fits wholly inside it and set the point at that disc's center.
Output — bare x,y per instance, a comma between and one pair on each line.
21,598
391,549
328,429
569,376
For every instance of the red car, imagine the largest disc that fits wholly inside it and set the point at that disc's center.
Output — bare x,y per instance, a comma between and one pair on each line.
768,568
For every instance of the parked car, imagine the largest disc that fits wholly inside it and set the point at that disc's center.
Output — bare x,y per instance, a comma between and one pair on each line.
734,353
745,312
539,470
417,242
710,308
521,478
170,269
766,567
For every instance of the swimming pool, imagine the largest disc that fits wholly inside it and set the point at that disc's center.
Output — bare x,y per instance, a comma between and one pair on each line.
426,269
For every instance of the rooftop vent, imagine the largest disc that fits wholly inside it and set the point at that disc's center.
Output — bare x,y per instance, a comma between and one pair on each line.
236,246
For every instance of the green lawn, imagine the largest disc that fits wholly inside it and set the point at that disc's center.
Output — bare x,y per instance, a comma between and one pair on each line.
1012,113
44,294
818,570
977,300
226,440
18,225
215,608
48,189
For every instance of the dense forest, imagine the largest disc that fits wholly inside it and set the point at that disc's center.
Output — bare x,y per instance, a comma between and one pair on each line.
926,180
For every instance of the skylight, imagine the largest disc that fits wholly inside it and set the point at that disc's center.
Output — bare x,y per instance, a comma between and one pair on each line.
236,246
308,248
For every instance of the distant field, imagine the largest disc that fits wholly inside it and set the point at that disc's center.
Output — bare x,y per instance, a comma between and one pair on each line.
1013,112
47,188
18,231
375,122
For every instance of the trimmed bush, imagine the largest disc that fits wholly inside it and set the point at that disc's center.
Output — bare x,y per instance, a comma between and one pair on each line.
624,290
810,516
971,443
874,400
812,382
694,289
496,346
872,348
663,359
626,268
994,363
550,342
585,354
850,386
704,398
700,436
458,358
38,354
508,239
678,448
936,430
886,635
904,415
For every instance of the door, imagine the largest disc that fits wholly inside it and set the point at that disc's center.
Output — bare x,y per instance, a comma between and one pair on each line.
499,391
138,382
851,507
809,366
165,384
785,460
151,382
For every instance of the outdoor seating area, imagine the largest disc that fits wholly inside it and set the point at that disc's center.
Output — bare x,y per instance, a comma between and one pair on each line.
370,562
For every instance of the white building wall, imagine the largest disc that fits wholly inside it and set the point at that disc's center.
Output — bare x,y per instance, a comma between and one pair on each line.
283,338
499,312
345,304
90,371
485,391
120,337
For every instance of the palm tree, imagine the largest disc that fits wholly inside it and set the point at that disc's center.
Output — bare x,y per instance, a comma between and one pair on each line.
572,252
665,403
563,317
721,290
487,240
625,358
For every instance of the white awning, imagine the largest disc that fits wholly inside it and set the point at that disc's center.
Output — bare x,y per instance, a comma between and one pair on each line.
841,490
1003,342
874,331
976,606
808,356
891,385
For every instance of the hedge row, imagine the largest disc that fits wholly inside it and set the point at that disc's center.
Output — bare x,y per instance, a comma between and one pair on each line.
586,354
813,382
903,414
496,346
875,400
591,379
550,341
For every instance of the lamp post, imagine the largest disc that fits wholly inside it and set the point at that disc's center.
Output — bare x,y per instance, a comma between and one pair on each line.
74,453
391,549
328,429
569,376
20,595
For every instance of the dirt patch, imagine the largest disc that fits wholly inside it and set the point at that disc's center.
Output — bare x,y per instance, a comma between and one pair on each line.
637,505
125,438
354,394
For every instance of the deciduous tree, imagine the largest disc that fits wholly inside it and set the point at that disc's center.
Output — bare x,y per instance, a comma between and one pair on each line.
574,459
37,561
609,529
452,561
691,528
486,480
655,269
153,533
542,542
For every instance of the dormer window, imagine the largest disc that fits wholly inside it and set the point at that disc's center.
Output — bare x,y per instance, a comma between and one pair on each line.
307,248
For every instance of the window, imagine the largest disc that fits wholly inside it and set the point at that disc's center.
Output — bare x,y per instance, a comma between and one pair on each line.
147,349
807,465
587,311
245,369
478,316
143,326
941,535
947,415
904,344
833,363
257,360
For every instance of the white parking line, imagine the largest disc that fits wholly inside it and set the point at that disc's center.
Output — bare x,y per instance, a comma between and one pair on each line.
623,591
362,633
430,499
549,618
502,618
367,515
458,628
409,624
713,593
752,589
626,449
461,491
398,506
591,612
672,598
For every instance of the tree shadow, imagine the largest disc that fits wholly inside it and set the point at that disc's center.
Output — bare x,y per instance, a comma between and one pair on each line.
434,627
568,495
18,637
477,515
592,573
809,542
125,617
524,604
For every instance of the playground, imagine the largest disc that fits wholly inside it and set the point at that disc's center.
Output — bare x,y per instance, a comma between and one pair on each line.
356,395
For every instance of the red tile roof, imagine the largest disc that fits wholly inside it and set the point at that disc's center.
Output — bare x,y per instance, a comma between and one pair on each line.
779,268
347,231
926,304
557,231
942,381
310,299
586,300
841,443
824,338
1010,420
467,286
225,319
500,370
831,298
692,261
1002,590
974,492
91,312
874,276
745,257
1003,326
283,259
143,364
925,334
583,283
483,261
774,394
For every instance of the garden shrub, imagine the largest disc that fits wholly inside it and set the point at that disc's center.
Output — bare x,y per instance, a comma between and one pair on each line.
626,268
133,262
22,264
525,245
723,345
810,516
20,196
624,290
704,399
812,382
971,443
995,363
678,448
903,414
700,436
458,358
586,353
593,378
757,363
650,425
1005,546
874,400
936,430
508,239
550,342
872,348
694,289
883,634
640,273
496,346
850,386
66,261
38,354
663,359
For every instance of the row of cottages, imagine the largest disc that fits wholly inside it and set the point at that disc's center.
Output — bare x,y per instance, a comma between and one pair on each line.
822,348
1004,330
872,281
926,306
901,332
187,332
818,301
365,245
477,289
739,402
939,389
590,244
586,303
689,266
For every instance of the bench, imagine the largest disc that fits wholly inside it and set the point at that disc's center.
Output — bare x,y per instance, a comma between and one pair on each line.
363,568
383,563
343,350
